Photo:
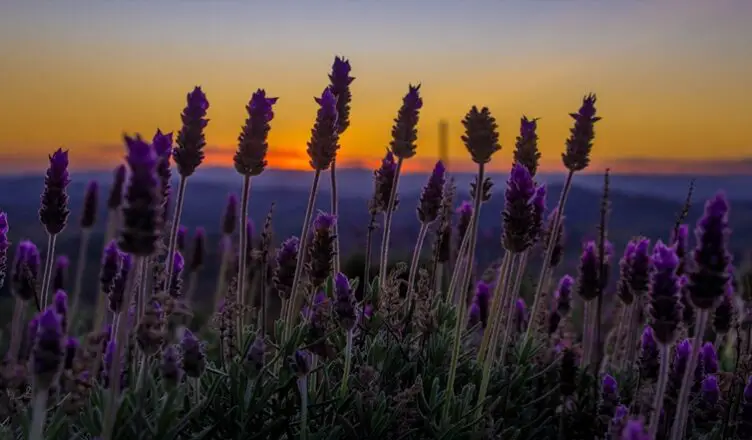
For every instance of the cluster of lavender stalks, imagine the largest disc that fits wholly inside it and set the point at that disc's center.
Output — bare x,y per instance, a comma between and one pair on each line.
669,297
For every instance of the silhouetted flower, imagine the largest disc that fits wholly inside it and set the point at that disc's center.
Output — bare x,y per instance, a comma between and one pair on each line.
639,271
191,141
526,150
323,146
587,282
404,130
708,280
649,359
230,217
142,222
250,158
180,238
91,202
465,213
198,251
580,141
432,194
162,144
625,264
340,80
481,136
54,210
110,268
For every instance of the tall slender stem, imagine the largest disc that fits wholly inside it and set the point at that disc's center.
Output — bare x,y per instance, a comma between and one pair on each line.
369,243
513,294
682,402
659,392
497,304
335,209
292,306
384,258
348,364
242,271
414,264
439,278
120,338
47,274
83,247
220,292
172,243
463,304
16,326
587,333
458,265
303,389
38,415
552,237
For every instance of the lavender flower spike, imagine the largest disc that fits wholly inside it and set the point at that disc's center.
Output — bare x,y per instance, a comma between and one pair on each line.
344,303
635,430
250,158
526,146
665,300
517,215
321,249
141,214
4,245
91,203
383,180
707,283
431,197
587,286
189,153
324,143
284,272
54,210
340,80
116,190
580,141
481,136
25,277
49,350
404,130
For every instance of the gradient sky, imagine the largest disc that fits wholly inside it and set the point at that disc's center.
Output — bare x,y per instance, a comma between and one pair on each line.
674,78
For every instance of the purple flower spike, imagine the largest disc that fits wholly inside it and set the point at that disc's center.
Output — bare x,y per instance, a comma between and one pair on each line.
665,299
580,141
191,141
250,158
180,239
340,80
710,390
639,272
474,316
60,304
198,253
91,203
709,358
344,303
230,217
483,301
635,430
194,359
4,245
284,272
324,143
54,210
517,215
116,191
142,221
481,136
383,181
707,283
60,275
118,289
587,286
49,351
26,271
526,146
465,213
431,197
649,360
625,264
609,387
563,294
680,239
110,267
520,315
538,206
404,130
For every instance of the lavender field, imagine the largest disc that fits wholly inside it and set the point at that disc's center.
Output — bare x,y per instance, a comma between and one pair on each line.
155,304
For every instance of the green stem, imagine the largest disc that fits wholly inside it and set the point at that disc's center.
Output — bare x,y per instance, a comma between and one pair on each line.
458,265
512,295
242,271
459,323
172,243
369,245
414,264
497,304
16,329
47,274
303,389
220,292
348,364
659,392
38,415
294,297
384,258
682,403
335,209
80,267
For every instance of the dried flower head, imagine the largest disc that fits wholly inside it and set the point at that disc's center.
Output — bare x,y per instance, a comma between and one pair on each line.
54,211
665,299
340,80
142,221
707,283
324,143
526,146
191,141
481,136
404,130
580,141
432,194
91,202
250,158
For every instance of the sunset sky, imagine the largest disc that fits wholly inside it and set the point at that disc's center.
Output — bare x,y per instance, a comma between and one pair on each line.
673,78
